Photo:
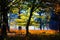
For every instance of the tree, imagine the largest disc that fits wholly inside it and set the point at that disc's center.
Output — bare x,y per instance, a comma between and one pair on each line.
0,19
4,10
28,22
55,18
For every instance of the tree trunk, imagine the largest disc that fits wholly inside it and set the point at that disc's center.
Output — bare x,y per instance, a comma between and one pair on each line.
32,9
19,18
28,22
0,20
4,10
5,24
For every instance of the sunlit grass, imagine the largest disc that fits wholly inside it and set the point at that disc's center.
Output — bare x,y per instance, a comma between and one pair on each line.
37,32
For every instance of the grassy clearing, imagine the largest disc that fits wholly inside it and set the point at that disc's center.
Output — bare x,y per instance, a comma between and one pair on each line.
35,37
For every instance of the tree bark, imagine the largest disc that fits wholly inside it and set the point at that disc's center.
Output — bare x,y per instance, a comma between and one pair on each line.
4,10
32,9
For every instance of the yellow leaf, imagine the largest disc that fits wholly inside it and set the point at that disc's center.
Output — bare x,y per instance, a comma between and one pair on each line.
15,10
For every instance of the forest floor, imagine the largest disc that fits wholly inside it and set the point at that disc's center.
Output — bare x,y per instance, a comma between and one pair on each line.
34,35
37,32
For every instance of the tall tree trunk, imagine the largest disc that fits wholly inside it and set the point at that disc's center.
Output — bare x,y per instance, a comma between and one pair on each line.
4,32
4,10
19,18
32,9
0,20
0,24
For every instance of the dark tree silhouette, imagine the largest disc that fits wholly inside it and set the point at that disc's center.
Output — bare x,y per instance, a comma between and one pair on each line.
0,19
4,10
55,19
32,9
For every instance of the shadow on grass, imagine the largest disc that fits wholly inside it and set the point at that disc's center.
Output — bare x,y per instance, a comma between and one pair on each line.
36,37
